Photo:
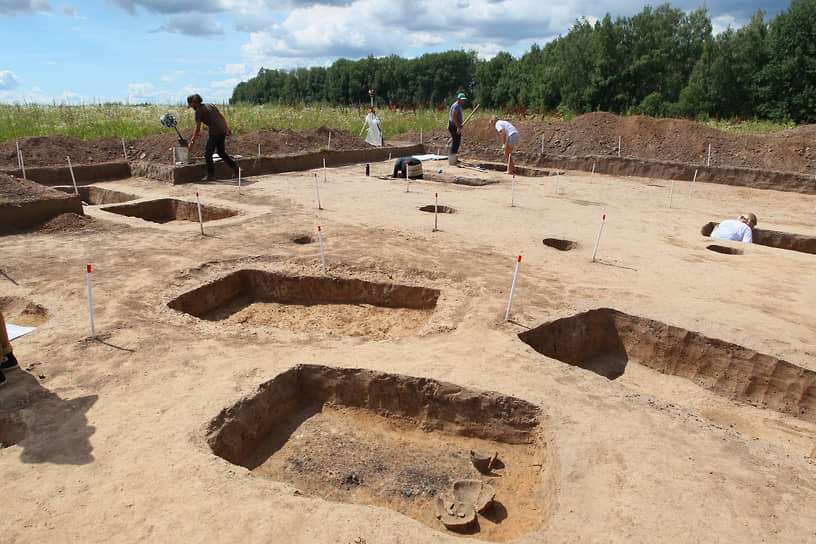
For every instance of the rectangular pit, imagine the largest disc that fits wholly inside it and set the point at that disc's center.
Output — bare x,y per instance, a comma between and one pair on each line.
605,341
347,306
169,209
360,436
97,196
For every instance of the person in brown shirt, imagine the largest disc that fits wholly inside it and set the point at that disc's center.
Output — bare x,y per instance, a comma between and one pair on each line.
218,130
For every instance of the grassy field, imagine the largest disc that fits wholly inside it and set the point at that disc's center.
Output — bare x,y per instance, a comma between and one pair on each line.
89,122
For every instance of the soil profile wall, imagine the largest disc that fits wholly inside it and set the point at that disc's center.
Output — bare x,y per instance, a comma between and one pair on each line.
28,214
743,177
301,290
728,369
432,405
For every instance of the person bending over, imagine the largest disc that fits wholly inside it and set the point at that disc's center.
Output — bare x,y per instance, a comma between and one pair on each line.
217,129
510,138
402,170
741,230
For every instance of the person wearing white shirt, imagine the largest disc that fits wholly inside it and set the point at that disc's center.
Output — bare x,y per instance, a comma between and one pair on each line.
510,138
740,230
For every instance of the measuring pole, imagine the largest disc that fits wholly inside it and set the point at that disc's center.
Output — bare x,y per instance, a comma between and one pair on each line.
20,160
708,160
691,189
598,241
436,200
329,146
317,192
671,193
124,149
513,192
200,220
90,303
593,170
512,289
322,256
73,178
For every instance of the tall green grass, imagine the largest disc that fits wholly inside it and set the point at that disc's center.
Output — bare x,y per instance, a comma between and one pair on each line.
92,121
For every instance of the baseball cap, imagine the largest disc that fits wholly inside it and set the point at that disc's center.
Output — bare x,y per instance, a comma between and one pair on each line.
462,96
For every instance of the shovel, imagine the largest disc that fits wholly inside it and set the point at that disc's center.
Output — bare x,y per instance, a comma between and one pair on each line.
169,121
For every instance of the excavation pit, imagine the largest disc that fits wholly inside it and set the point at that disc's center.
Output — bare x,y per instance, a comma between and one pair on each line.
302,240
724,249
97,196
438,209
166,210
559,244
609,342
774,238
348,307
359,436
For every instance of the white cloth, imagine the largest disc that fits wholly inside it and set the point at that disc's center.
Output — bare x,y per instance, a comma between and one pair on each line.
733,229
374,135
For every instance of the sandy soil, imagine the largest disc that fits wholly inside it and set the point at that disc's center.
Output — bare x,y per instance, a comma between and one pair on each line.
108,434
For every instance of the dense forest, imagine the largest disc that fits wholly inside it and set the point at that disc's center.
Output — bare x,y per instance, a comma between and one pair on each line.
660,62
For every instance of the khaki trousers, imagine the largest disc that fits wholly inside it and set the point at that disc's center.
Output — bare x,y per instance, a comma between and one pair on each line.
5,345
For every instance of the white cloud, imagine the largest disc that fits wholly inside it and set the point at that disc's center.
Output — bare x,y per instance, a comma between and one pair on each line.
172,76
723,22
228,84
311,34
169,7
12,8
72,12
197,25
8,80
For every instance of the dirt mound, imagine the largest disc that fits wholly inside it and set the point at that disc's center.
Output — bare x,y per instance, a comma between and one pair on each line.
53,150
17,191
66,222
645,138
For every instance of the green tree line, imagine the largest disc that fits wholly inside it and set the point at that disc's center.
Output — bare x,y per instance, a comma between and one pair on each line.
661,62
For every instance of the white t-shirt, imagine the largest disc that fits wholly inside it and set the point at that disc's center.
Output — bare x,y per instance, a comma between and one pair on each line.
733,229
506,127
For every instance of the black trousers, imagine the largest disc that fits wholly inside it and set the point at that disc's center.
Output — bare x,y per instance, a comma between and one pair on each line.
456,137
215,142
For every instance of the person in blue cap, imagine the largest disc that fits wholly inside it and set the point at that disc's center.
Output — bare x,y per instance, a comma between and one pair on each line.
455,124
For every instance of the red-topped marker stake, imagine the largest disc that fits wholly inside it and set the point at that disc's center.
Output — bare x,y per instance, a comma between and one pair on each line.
90,304
512,289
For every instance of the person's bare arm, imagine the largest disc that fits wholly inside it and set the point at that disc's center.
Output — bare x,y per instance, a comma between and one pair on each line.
195,136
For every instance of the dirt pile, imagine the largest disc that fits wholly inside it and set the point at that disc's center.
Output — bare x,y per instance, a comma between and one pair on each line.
645,138
17,191
54,150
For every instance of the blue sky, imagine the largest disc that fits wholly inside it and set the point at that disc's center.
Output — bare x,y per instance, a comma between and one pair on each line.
159,51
